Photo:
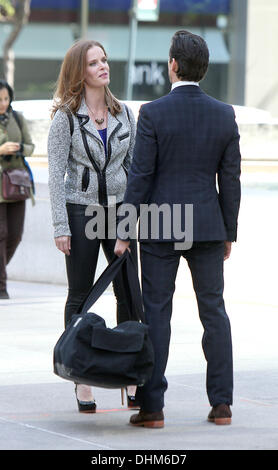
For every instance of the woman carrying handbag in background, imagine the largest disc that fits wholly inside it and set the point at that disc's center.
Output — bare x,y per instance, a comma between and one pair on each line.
15,143
90,141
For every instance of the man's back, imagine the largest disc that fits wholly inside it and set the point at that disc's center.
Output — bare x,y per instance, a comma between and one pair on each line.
184,140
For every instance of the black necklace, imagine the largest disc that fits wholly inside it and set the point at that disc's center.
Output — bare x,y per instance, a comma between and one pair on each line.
98,121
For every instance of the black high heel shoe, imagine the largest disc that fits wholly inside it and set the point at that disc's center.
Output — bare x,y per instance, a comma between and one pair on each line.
85,406
131,400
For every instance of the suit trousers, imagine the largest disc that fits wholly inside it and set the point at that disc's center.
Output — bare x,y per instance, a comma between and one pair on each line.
82,262
159,265
12,216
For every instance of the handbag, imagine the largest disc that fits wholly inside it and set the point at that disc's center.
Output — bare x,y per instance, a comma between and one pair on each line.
16,184
89,352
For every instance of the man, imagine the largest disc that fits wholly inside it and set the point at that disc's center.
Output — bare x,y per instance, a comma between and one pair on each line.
186,141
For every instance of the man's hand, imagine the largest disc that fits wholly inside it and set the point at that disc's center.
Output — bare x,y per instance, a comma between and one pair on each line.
120,247
63,244
227,249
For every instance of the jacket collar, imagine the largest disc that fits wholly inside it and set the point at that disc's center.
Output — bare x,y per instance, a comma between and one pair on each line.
188,90
113,123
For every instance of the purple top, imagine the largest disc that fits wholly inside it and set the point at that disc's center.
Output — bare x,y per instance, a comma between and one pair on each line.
103,135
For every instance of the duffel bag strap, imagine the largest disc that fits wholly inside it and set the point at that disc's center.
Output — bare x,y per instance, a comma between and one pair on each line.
131,282
133,291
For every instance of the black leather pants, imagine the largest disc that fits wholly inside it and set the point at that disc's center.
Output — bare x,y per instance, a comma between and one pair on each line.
82,262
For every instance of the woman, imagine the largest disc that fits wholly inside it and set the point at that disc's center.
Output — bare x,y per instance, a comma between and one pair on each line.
15,141
91,140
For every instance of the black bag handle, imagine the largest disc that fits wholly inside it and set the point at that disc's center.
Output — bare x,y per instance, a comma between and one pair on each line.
134,296
130,276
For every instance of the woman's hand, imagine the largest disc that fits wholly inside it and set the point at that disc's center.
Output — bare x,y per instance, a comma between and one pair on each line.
63,244
8,148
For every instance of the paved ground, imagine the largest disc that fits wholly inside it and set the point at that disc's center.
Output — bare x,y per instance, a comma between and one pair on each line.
38,410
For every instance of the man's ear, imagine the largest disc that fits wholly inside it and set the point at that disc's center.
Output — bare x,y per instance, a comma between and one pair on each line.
174,65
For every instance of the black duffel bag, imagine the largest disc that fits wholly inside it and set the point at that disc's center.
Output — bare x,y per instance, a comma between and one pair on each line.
89,352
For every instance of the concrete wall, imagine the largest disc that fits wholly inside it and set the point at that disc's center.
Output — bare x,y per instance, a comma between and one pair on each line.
37,258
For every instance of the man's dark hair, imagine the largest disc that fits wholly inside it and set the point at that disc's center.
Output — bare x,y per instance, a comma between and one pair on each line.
192,55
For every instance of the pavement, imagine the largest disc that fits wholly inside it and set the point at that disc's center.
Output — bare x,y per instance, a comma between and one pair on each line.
38,409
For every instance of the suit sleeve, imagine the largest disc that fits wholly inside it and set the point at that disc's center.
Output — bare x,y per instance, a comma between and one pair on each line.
141,172
229,184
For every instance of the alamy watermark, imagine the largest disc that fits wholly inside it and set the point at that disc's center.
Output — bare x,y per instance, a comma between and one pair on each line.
164,222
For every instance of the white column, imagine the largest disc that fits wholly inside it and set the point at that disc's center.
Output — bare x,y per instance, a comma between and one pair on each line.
261,78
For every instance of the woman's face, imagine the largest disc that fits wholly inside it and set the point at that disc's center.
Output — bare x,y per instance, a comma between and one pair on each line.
4,100
97,68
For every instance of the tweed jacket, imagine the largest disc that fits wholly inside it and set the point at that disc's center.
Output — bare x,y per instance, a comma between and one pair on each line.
187,152
73,178
13,133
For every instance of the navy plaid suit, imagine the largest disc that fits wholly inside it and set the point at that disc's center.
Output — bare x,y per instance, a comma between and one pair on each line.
186,143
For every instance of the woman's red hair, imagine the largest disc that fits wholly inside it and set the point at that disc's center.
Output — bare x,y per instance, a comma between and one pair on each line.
70,84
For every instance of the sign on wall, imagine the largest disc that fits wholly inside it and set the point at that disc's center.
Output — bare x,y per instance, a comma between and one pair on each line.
147,10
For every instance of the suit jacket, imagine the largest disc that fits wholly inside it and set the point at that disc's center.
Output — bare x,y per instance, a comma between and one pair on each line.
187,152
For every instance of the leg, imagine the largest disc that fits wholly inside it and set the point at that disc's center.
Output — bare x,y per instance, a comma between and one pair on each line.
108,245
81,267
3,245
122,310
82,261
159,263
15,219
205,261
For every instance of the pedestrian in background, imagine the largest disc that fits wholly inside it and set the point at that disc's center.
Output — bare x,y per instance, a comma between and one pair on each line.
91,141
15,143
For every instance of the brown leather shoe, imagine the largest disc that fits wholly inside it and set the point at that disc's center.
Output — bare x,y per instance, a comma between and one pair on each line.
220,414
148,420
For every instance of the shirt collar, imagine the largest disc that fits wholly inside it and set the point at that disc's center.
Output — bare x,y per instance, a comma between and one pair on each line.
182,83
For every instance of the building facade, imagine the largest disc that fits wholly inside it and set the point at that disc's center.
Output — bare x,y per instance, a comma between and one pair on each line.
241,36
55,24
